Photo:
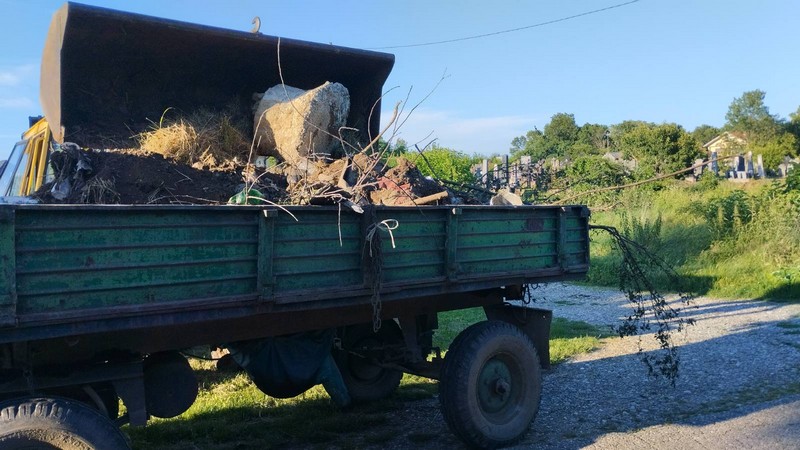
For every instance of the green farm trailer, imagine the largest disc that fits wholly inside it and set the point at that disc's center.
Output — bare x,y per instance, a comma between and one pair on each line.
98,302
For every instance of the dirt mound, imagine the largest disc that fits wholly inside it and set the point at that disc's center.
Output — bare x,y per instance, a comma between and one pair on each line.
139,177
136,176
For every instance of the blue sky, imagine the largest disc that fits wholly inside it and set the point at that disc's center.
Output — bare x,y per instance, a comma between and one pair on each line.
680,61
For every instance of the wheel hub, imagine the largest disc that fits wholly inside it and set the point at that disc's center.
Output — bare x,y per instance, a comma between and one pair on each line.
494,386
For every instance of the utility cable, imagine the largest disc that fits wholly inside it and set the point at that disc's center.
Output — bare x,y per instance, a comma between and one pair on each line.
536,25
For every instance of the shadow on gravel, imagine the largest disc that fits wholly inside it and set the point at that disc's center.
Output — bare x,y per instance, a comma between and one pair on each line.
721,377
727,308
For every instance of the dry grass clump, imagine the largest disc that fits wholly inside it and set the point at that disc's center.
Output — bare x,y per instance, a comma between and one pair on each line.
99,191
205,137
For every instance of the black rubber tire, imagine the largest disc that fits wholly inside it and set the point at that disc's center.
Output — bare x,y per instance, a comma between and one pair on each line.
365,381
490,385
56,423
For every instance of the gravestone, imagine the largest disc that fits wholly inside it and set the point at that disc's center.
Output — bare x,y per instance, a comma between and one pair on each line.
698,169
714,162
760,166
782,169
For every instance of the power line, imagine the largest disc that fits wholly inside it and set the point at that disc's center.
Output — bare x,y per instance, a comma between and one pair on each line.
478,36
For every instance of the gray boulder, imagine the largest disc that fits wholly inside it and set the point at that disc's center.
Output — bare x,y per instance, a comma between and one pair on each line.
291,123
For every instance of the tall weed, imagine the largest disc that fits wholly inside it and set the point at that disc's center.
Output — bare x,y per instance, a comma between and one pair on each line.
642,230
727,213
728,240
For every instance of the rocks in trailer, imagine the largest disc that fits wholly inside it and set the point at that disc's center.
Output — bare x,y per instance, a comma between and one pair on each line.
504,197
292,123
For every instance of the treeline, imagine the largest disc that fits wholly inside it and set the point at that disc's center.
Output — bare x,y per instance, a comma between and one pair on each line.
647,149
664,148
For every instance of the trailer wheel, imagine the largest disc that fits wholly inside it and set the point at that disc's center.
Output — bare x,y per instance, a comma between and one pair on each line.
491,385
365,380
56,423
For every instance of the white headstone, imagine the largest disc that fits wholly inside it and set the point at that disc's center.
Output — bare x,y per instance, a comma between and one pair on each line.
698,169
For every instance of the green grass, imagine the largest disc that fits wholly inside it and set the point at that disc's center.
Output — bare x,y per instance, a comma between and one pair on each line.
569,338
231,413
730,241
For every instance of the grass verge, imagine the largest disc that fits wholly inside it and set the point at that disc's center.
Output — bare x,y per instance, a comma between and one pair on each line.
732,240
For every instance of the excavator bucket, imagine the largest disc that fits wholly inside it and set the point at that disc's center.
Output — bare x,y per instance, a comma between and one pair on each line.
107,75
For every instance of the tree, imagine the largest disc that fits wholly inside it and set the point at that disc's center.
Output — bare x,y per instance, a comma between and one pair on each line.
658,149
445,164
532,144
705,133
400,147
748,114
594,171
794,123
616,132
561,131
595,136
774,150
559,139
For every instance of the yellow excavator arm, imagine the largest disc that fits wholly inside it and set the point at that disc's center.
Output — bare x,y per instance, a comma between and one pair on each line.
26,168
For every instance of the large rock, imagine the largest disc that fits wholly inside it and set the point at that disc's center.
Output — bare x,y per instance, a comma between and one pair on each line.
292,123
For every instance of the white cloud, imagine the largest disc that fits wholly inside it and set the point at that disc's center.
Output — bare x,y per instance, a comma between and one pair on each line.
16,103
483,135
16,75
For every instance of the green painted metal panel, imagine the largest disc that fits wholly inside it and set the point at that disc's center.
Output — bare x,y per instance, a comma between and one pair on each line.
505,265
73,258
142,295
419,249
91,259
523,240
320,249
8,290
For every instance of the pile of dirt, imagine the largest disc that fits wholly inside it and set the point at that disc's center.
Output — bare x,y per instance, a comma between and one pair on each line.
135,176
140,177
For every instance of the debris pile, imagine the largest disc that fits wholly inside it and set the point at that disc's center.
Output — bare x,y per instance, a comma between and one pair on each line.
298,155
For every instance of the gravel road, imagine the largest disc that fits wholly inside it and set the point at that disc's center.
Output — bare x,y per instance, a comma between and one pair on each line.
739,384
